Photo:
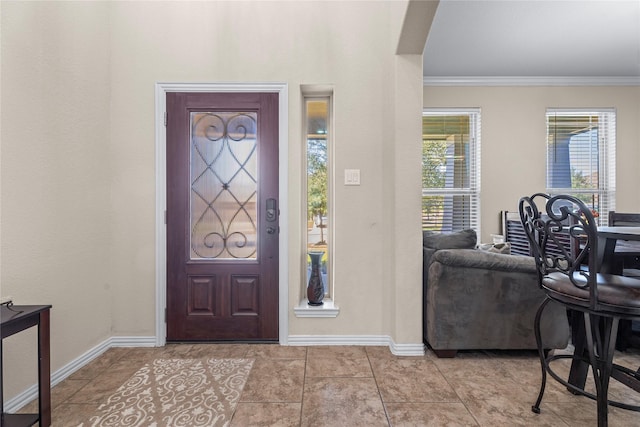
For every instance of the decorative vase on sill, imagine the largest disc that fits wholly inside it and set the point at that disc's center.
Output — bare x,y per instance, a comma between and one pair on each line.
315,288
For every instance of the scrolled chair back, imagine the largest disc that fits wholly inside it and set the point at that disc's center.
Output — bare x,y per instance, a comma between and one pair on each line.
563,239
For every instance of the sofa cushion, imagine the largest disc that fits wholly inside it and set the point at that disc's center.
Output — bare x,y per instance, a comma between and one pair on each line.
465,239
485,260
499,248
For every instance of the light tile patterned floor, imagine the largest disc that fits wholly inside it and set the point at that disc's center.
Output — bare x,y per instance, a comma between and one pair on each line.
361,386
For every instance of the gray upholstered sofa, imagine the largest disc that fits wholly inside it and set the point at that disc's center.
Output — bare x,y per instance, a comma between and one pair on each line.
476,299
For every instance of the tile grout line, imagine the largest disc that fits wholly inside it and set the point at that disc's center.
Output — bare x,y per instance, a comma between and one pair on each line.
244,356
375,380
446,378
304,382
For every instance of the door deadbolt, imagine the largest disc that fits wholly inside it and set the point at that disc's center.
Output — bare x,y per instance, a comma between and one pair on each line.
272,210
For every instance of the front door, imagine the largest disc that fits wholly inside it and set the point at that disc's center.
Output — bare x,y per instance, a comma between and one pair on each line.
222,216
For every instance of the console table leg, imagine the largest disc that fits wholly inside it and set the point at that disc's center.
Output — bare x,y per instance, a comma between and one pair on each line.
44,369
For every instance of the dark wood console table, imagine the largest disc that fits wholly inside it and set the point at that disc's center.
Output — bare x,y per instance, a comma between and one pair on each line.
15,319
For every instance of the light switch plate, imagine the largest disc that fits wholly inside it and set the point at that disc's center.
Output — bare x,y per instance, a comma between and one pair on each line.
352,177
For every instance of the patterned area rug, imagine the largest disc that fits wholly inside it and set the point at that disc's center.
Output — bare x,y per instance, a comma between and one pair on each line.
177,392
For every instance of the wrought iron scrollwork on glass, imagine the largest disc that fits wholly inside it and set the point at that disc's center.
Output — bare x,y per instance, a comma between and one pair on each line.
223,199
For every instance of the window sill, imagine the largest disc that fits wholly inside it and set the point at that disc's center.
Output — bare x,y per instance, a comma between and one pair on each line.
328,309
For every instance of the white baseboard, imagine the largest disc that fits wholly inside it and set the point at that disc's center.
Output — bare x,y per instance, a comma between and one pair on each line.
364,340
407,349
14,404
133,342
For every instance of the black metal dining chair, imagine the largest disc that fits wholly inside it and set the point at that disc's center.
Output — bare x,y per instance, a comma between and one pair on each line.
567,274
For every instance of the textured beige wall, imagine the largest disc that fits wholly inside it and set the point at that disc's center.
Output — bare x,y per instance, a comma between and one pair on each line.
56,172
513,139
78,154
347,45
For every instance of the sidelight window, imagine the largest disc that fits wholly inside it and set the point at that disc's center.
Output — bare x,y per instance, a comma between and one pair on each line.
318,224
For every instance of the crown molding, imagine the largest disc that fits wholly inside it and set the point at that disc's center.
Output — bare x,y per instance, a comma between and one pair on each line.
530,81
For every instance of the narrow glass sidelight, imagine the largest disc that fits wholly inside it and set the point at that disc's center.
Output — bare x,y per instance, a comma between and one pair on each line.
223,196
317,191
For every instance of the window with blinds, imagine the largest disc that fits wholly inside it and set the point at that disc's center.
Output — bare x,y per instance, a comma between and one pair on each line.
451,169
581,149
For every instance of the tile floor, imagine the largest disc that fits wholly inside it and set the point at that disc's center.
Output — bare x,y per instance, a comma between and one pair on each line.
361,386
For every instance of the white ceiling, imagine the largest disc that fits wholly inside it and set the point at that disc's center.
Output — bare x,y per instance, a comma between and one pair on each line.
534,38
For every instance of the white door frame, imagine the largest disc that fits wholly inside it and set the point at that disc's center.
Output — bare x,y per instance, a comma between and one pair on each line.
161,196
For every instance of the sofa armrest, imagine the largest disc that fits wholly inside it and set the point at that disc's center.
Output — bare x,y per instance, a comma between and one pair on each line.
427,254
475,258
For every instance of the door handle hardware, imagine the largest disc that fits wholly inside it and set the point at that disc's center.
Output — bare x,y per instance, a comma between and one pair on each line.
271,230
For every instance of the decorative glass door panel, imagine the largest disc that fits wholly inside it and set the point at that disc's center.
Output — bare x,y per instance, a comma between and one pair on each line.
223,179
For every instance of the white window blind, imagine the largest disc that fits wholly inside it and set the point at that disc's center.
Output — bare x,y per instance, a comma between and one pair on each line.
581,150
451,169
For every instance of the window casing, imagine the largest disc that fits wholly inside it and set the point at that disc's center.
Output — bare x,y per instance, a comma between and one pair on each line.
451,169
581,149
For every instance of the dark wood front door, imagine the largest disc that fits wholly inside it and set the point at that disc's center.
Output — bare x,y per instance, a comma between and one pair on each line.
222,216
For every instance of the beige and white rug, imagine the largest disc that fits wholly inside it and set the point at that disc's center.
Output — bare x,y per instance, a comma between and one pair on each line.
177,392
